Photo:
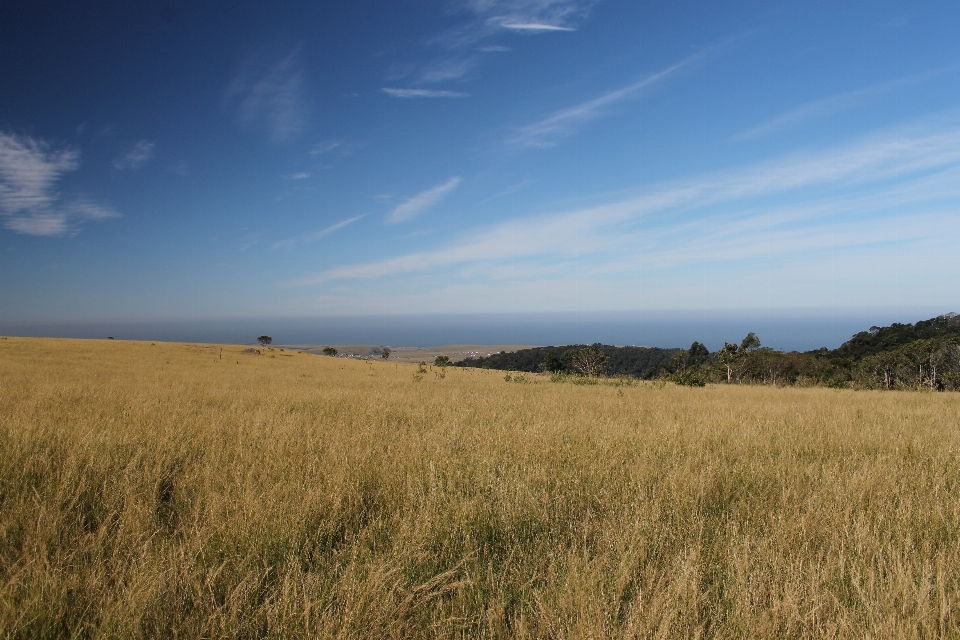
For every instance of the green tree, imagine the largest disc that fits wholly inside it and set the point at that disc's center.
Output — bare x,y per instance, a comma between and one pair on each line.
735,358
441,361
329,351
552,363
419,373
385,353
750,343
690,377
590,361
728,357
749,360
885,365
697,354
264,340
771,365
921,358
688,366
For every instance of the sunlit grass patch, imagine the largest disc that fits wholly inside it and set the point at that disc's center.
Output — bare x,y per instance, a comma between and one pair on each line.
161,489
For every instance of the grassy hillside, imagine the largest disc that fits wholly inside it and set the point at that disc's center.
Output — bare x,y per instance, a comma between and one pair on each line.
159,491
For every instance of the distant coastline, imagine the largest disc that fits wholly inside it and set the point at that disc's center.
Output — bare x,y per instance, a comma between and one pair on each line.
800,330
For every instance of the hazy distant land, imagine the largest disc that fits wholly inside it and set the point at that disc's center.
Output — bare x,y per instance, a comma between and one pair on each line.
456,352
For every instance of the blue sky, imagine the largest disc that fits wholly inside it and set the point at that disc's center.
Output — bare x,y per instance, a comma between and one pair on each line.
240,159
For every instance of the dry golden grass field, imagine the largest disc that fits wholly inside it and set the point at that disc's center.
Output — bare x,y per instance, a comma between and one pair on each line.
157,490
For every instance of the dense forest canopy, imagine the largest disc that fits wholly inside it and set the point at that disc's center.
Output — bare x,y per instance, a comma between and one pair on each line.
638,362
879,339
925,355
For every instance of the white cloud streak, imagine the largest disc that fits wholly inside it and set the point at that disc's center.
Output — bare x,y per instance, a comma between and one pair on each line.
270,94
448,69
419,203
661,228
534,26
424,93
536,236
313,237
544,132
830,105
28,172
139,155
531,15
325,147
493,18
29,202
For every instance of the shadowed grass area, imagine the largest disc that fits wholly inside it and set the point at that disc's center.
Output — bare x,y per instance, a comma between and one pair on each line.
157,490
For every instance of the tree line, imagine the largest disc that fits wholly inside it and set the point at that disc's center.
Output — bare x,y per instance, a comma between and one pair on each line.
925,355
578,359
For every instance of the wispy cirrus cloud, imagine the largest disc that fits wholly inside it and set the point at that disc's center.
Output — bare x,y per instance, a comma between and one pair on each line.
531,15
546,131
534,26
831,105
313,237
468,43
419,203
29,169
424,93
136,157
803,202
326,146
29,202
268,92
492,18
447,69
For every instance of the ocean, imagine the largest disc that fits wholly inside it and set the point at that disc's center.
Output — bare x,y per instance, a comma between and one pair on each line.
789,330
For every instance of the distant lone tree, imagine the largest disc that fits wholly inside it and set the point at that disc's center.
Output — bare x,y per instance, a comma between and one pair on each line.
590,361
264,340
441,361
385,353
329,351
